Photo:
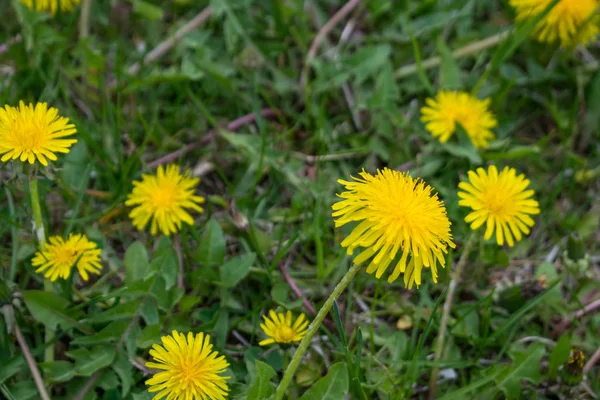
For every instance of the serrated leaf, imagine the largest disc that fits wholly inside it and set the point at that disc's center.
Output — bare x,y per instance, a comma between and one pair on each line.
236,269
559,355
526,366
150,335
450,77
212,246
58,371
136,263
333,386
121,311
165,262
261,388
89,361
53,310
111,332
122,368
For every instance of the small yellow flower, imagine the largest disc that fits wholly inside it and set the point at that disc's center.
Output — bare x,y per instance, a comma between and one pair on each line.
571,22
449,108
281,330
501,201
29,132
190,369
397,214
59,256
51,5
164,198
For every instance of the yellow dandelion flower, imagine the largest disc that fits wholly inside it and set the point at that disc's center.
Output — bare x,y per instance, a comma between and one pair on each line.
280,328
51,5
449,108
164,198
397,214
501,201
190,369
59,256
29,132
571,22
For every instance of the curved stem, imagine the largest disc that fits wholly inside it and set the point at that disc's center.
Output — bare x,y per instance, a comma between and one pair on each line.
312,330
38,226
439,346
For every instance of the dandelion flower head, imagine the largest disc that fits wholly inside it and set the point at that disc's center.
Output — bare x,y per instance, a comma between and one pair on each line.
189,369
282,329
501,201
59,256
397,215
450,108
51,5
31,132
571,22
163,199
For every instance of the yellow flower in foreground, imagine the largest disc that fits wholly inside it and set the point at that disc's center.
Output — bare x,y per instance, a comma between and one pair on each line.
29,132
397,214
189,368
571,22
449,108
164,198
51,5
501,201
59,256
280,328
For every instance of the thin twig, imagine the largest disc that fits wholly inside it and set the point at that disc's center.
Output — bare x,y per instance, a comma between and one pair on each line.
593,306
232,126
4,47
35,372
166,45
593,360
88,385
471,48
322,34
290,281
84,19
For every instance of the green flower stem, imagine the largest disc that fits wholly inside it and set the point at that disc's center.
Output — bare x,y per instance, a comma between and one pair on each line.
38,223
439,346
312,330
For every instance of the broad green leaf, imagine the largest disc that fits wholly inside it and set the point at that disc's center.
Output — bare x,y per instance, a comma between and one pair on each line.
212,246
150,335
121,311
165,262
236,269
112,332
515,153
10,368
333,386
147,10
58,371
450,77
89,361
462,152
280,295
261,388
122,367
136,263
75,165
53,310
149,312
526,366
559,355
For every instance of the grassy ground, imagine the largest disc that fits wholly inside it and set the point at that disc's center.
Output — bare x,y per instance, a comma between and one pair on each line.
270,185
